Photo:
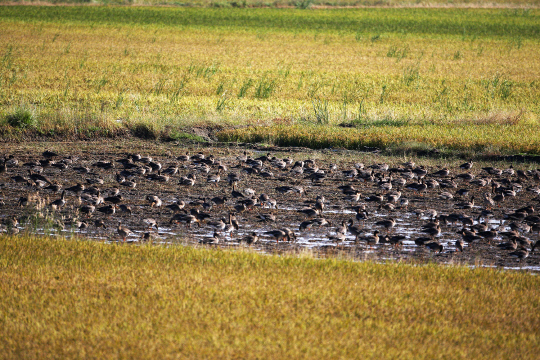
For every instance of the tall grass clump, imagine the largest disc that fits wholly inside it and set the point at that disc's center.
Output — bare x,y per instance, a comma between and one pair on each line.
22,118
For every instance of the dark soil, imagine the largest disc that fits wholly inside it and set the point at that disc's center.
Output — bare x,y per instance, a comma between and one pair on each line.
38,216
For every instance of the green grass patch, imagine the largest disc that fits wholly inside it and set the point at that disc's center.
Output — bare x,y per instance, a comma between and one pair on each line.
21,118
457,22
66,299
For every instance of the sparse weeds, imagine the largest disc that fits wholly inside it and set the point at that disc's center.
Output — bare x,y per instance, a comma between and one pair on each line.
321,112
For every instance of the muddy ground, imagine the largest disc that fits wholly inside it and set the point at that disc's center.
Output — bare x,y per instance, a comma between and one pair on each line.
39,216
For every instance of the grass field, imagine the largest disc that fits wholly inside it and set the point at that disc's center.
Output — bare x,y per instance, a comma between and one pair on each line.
300,4
101,71
68,299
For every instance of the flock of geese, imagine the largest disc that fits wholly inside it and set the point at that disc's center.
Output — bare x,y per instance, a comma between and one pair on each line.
361,204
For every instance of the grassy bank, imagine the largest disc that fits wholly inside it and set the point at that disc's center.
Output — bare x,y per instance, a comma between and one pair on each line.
104,71
474,138
83,299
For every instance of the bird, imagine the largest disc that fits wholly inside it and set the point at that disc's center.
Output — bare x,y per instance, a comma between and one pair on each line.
278,235
176,206
521,253
459,245
371,239
355,230
154,200
337,238
58,203
213,240
123,231
466,204
187,219
388,224
251,238
107,210
435,246
150,223
87,210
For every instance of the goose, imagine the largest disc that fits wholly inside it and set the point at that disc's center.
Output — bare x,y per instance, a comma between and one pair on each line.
187,180
129,184
466,204
266,217
347,189
123,231
393,197
463,192
147,236
150,223
184,157
186,219
252,238
87,210
58,203
372,240
444,172
306,225
355,230
361,215
107,210
469,237
171,170
488,200
233,179
213,240
388,224
278,235
445,195
177,206
154,200
99,224
214,179
125,208
466,166
435,246
488,234
342,229
435,231
459,245
396,240
337,238
421,241
510,245
466,177
319,205
309,212
520,253
77,189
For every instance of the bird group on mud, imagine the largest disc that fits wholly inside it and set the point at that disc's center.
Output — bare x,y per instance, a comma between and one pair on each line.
361,204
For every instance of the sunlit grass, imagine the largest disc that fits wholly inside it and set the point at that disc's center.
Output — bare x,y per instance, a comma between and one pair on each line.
103,70
85,299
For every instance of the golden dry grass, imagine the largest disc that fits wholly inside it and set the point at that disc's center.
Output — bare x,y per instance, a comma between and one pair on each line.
69,299
75,72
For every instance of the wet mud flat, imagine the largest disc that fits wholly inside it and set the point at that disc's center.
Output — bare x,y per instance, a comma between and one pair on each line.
227,195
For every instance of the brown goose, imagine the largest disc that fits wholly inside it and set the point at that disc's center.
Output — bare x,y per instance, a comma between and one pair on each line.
123,231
